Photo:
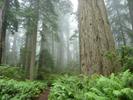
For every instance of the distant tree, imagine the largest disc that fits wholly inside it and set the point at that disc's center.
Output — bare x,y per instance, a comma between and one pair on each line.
117,15
49,18
9,21
32,18
130,5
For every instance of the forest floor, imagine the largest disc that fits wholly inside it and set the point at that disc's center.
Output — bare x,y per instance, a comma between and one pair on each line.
44,95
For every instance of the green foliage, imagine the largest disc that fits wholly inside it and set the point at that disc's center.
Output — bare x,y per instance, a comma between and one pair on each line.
14,90
126,55
46,61
112,56
114,87
11,72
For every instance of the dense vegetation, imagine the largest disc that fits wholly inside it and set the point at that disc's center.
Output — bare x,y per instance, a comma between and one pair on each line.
11,72
23,90
13,88
69,87
114,87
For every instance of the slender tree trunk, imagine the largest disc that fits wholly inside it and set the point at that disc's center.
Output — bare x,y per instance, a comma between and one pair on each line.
14,51
130,5
68,48
41,55
27,51
42,48
53,47
4,41
6,50
1,21
95,37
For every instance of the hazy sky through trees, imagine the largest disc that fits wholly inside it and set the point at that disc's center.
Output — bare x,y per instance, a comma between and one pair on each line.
75,5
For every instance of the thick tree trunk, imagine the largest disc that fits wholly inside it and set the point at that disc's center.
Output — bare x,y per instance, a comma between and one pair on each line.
95,37
2,27
34,39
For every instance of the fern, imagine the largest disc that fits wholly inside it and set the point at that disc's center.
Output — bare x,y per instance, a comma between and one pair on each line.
114,87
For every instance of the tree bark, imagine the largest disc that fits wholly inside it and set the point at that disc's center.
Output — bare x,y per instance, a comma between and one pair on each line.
95,38
3,25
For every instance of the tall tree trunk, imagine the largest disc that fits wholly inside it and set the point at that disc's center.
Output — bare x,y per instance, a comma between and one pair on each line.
1,21
27,49
130,5
4,28
31,40
6,50
42,48
68,47
14,51
53,47
95,37
34,39
3,25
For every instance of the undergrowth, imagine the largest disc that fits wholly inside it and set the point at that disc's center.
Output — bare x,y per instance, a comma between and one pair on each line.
12,72
20,90
114,87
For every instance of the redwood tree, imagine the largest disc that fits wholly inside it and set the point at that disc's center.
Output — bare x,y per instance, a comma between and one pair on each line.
96,38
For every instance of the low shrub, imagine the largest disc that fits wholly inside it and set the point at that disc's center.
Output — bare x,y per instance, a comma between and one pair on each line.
114,87
11,72
24,90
